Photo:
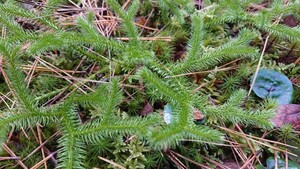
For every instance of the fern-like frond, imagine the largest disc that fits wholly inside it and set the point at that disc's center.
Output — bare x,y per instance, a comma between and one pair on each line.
169,136
112,101
71,149
232,112
96,130
62,40
282,31
11,25
203,133
175,97
194,45
27,119
233,49
20,91
169,94
71,152
278,8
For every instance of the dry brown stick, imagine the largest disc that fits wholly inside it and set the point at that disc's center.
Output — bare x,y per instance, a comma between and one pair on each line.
297,61
248,142
52,159
254,137
237,151
137,24
147,20
37,165
111,162
78,79
9,158
31,72
10,152
45,69
79,64
214,162
250,160
41,142
251,138
166,38
6,96
67,95
217,144
229,63
286,159
51,101
36,149
189,160
52,66
126,77
261,57
4,101
175,160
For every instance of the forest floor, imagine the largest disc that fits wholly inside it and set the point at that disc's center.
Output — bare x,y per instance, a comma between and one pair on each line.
61,60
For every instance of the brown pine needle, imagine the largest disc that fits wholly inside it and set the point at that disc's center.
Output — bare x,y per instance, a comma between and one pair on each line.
41,142
45,69
260,142
10,152
111,162
37,165
162,38
189,160
9,158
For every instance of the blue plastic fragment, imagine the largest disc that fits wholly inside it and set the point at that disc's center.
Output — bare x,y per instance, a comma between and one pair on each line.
167,113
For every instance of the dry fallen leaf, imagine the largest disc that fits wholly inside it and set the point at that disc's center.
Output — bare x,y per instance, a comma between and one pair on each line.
287,114
198,115
147,109
290,21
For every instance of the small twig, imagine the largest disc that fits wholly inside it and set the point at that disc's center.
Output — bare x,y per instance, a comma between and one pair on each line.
297,61
251,136
147,20
251,159
111,162
45,69
258,65
217,144
248,142
41,142
189,160
36,149
37,165
286,159
9,151
162,38
215,163
261,58
267,145
175,160
275,159
9,158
